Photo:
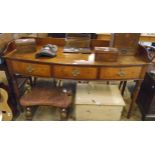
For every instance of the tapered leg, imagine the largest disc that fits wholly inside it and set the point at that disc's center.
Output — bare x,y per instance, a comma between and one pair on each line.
134,97
123,88
120,84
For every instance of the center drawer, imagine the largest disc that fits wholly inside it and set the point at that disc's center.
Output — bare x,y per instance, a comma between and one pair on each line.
73,72
120,73
32,69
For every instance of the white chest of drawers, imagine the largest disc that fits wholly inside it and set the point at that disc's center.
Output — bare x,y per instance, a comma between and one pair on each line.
97,102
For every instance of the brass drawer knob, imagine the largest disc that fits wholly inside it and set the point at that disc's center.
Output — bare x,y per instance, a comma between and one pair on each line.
75,72
30,69
121,73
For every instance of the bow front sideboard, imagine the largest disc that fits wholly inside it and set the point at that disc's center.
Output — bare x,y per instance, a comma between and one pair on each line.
76,66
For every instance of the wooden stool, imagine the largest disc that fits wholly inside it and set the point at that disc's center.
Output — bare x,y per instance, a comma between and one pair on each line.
45,94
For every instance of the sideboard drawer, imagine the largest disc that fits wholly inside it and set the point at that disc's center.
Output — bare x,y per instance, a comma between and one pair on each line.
120,73
31,69
73,72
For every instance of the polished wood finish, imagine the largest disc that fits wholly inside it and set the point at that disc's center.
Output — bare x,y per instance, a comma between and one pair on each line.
78,66
127,43
120,73
45,93
75,59
143,37
32,69
71,72
106,54
25,45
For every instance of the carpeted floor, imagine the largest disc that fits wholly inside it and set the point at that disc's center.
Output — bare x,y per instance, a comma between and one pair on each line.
44,113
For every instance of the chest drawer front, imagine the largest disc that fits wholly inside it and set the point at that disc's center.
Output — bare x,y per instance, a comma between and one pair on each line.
31,69
73,72
120,72
98,113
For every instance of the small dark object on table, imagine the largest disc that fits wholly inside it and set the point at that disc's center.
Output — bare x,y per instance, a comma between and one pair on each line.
48,50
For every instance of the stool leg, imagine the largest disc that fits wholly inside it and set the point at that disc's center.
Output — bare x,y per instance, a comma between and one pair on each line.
63,114
28,113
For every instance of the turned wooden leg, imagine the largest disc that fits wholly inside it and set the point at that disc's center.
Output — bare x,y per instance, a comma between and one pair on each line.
63,114
134,97
28,113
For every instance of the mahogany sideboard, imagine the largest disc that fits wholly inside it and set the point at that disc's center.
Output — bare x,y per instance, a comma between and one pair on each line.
77,66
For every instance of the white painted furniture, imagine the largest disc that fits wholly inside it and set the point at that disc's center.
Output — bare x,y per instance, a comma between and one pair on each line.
96,102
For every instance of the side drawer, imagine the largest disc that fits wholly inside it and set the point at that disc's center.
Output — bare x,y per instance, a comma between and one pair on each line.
73,72
33,69
120,73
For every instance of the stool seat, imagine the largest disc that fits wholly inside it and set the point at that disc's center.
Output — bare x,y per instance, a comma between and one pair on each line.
46,95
